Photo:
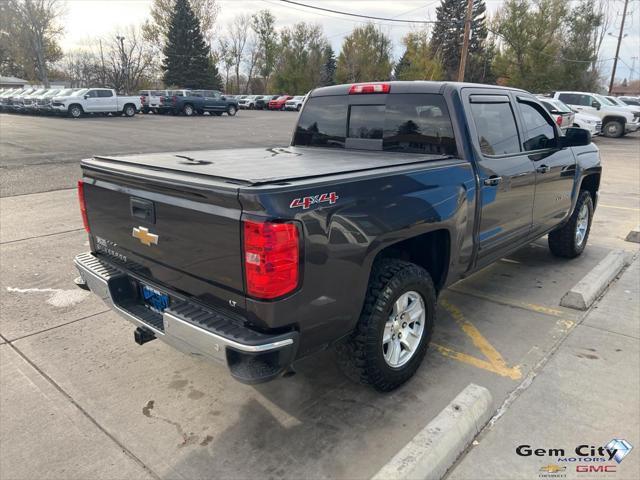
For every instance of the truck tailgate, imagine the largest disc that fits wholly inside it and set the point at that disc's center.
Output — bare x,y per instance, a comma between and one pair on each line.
175,235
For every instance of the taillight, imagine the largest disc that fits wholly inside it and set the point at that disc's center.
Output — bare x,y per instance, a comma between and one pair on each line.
271,258
369,88
83,205
559,120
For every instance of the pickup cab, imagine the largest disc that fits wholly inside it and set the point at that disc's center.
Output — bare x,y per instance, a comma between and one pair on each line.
616,120
97,100
387,194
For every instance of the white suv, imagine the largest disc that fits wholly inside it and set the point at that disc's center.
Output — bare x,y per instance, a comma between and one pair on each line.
616,121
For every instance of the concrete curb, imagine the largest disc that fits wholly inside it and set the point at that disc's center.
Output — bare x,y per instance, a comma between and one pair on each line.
587,290
436,447
634,235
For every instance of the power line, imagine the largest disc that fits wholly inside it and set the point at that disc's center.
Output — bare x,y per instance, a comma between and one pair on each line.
349,14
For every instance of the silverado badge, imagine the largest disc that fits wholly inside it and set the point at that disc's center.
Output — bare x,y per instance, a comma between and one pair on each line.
146,238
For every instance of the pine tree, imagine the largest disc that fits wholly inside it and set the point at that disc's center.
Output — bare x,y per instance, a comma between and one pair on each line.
448,35
187,60
328,74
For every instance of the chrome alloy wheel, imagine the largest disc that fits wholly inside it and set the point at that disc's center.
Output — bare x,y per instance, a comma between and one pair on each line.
582,224
403,331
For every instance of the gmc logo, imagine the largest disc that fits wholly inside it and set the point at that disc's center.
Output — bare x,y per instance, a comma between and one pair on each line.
596,468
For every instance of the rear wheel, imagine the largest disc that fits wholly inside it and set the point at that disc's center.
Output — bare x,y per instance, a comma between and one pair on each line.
129,110
395,327
613,129
571,240
231,110
188,110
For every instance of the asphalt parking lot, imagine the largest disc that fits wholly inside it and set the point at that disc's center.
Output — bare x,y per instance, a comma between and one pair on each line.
80,399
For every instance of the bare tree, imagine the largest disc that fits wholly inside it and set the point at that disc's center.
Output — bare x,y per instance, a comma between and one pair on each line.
238,33
37,24
251,60
127,60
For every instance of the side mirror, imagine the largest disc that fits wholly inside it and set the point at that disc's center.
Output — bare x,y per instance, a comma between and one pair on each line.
596,105
575,137
223,97
86,96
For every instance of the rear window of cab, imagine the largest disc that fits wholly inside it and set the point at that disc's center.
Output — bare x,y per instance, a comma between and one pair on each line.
400,122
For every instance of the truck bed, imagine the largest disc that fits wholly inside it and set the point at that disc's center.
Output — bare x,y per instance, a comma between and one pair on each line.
255,166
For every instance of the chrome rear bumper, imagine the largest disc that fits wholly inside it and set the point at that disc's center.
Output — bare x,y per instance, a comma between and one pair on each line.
192,328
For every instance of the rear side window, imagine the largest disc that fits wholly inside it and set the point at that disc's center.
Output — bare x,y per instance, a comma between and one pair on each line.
576,99
410,123
496,127
540,133
105,93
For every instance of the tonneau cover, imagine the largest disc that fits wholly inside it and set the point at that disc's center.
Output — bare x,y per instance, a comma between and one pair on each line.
253,166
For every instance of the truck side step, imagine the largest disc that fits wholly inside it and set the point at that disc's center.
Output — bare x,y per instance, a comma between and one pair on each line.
142,335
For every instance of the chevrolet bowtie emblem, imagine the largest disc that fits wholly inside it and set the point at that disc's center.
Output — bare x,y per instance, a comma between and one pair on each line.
145,237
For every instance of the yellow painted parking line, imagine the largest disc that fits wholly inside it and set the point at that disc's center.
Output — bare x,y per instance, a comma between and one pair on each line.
509,302
493,361
633,209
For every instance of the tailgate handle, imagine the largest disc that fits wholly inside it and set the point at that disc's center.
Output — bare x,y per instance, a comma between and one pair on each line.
143,209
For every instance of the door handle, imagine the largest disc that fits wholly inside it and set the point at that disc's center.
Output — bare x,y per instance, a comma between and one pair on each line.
543,169
492,181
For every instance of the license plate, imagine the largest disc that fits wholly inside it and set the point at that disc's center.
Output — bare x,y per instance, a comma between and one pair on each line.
153,299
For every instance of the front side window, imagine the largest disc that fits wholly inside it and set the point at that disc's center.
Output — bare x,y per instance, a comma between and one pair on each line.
539,132
92,94
496,127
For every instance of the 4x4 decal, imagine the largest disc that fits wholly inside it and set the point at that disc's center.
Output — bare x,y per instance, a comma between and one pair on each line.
306,202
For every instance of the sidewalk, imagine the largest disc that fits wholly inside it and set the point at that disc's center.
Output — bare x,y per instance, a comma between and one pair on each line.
587,394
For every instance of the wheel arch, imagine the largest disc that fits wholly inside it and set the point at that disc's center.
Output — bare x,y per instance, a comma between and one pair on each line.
614,118
591,184
430,250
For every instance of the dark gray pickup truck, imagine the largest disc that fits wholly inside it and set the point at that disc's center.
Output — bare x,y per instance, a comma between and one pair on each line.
388,193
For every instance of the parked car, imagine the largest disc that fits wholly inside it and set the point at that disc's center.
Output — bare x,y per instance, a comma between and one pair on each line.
616,121
27,103
192,102
150,100
248,102
632,101
561,112
278,103
388,193
43,103
588,122
619,103
97,100
6,95
262,103
295,103
15,99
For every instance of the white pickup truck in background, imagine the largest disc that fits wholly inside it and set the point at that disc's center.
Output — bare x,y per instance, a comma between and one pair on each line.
96,100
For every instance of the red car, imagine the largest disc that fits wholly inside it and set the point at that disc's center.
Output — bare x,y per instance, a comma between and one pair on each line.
278,103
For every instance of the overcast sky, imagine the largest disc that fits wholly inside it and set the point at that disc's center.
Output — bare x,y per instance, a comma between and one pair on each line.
95,18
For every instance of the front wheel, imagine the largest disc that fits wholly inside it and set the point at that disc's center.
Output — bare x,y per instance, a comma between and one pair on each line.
231,110
75,111
613,129
571,240
391,337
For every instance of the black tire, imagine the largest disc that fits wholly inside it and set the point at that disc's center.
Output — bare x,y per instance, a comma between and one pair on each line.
361,355
218,114
75,111
298,107
129,110
232,110
563,242
188,110
613,129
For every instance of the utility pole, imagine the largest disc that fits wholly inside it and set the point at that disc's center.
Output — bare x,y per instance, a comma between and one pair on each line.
465,41
102,72
615,60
